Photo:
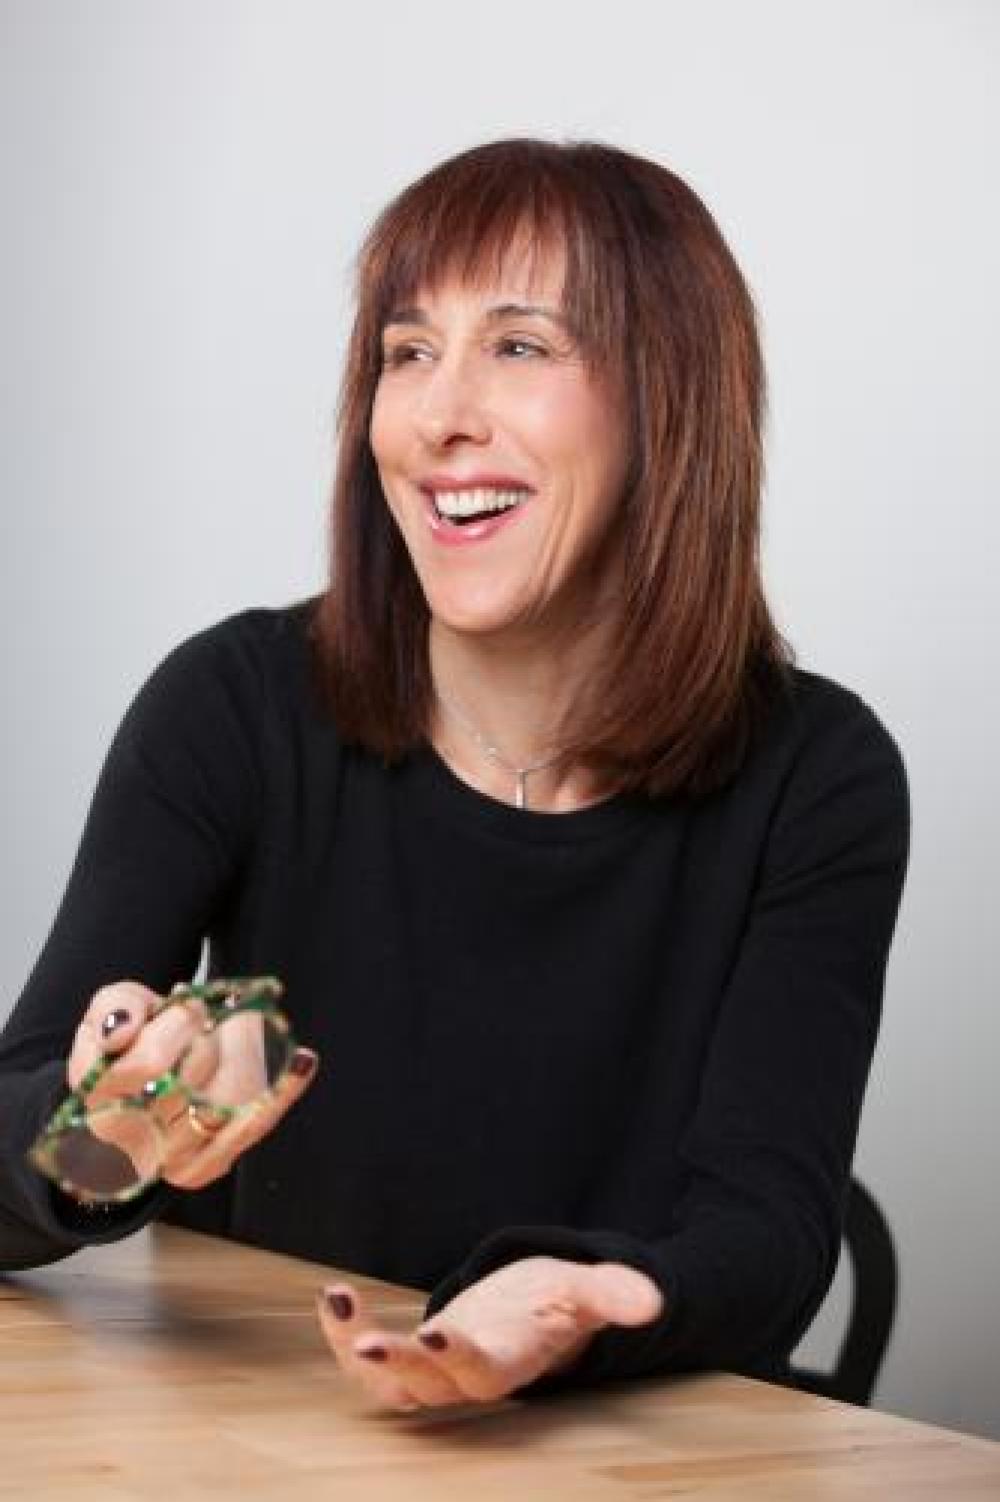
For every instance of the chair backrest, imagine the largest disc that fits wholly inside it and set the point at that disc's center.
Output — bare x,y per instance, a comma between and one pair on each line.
872,1253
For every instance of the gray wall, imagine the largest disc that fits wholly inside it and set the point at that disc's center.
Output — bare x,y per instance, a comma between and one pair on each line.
183,185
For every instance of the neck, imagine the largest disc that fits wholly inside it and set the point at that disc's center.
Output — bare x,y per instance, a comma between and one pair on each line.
515,693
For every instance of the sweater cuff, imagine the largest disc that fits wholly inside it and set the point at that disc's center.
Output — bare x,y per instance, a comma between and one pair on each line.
616,1350
39,1222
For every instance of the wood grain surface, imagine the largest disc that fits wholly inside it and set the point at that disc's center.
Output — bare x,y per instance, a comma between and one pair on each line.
175,1366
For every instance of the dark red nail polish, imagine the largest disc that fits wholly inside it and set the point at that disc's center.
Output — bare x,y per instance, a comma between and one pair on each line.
341,1304
374,1353
302,1064
434,1340
115,1020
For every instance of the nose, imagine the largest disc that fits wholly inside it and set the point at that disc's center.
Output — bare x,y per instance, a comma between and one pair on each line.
451,407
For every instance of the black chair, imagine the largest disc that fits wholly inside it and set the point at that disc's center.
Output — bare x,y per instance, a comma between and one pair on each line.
872,1253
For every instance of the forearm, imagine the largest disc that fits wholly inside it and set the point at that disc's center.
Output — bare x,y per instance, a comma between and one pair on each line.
163,847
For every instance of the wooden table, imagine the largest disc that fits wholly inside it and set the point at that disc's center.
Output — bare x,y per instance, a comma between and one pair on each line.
175,1366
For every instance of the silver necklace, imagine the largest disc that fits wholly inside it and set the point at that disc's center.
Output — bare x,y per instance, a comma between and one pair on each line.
520,774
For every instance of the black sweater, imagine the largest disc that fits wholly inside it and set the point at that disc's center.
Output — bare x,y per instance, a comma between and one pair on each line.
640,1031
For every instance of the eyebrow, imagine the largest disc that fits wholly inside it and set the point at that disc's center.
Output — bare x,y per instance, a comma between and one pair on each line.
495,314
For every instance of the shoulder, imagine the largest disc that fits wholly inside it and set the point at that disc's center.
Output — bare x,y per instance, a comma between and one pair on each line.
817,723
260,636
252,653
825,761
231,688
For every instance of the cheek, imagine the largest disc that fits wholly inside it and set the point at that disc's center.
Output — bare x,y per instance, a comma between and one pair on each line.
555,421
593,453
384,443
577,433
383,428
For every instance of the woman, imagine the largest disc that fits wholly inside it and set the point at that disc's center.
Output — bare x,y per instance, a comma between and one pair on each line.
581,892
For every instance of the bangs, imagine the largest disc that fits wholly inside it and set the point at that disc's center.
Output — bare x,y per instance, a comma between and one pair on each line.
467,219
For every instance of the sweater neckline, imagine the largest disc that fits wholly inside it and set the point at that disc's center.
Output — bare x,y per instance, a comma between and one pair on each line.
449,795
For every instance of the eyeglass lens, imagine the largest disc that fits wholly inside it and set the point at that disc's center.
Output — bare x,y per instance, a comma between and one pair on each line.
241,1058
108,1153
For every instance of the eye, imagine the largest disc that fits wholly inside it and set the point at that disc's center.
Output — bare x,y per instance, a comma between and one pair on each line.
511,345
402,354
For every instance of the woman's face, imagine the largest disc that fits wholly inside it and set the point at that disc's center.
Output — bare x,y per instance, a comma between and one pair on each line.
501,455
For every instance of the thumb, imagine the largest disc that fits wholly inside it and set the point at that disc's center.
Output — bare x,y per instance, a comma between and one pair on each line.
618,1295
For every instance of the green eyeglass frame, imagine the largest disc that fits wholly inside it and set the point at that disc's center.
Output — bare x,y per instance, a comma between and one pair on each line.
222,999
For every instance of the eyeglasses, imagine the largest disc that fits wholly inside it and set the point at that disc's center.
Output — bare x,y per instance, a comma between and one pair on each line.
108,1153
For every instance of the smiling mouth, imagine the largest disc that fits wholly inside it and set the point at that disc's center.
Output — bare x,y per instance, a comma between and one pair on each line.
460,508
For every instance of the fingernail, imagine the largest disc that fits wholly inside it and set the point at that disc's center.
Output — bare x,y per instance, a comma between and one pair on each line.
340,1304
303,1063
434,1340
115,1020
374,1353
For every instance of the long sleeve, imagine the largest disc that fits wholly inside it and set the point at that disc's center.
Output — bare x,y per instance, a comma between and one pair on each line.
754,1234
162,848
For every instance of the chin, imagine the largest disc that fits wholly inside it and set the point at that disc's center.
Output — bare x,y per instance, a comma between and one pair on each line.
473,617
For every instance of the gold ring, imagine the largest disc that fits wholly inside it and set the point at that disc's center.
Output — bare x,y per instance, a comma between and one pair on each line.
206,1129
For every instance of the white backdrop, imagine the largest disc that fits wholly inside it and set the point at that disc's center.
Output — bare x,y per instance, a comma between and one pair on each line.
183,186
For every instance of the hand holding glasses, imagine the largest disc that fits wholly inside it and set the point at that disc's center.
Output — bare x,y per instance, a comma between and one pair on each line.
207,1072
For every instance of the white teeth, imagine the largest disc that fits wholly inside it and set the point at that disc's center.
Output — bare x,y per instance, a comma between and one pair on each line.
473,502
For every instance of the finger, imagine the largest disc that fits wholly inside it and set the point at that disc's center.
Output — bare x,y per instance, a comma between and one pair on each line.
473,1371
342,1317
192,1161
156,1049
413,1365
111,1023
611,1293
186,1134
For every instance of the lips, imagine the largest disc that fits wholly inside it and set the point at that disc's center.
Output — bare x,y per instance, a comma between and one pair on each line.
481,480
456,533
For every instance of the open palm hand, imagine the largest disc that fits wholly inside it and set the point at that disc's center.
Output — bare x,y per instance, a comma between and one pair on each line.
531,1317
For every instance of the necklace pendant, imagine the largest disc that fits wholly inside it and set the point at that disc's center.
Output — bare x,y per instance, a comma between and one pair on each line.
495,755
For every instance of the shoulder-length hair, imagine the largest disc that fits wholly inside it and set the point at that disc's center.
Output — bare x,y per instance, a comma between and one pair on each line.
656,298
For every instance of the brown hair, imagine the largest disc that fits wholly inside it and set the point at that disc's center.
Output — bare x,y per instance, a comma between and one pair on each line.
654,293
